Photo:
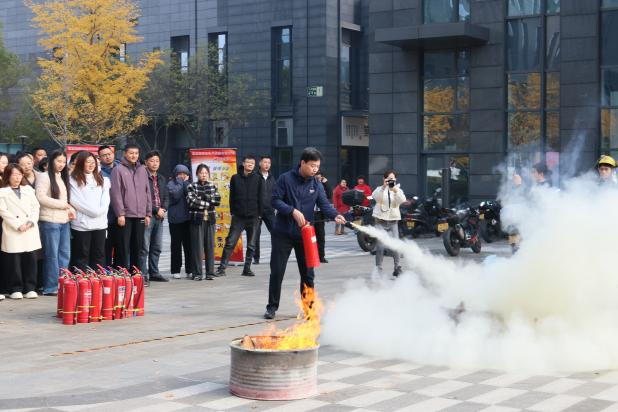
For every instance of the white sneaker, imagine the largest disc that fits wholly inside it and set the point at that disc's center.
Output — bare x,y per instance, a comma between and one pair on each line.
31,295
176,275
1,298
16,295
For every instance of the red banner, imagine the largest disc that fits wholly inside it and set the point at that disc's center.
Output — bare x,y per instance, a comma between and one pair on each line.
222,164
94,149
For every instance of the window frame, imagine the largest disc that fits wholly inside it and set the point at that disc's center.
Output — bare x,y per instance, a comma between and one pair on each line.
213,39
607,107
277,34
178,53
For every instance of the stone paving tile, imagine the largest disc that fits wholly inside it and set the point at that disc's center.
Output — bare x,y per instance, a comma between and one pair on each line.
589,389
399,402
469,392
365,377
342,394
526,399
465,407
533,382
479,376
589,405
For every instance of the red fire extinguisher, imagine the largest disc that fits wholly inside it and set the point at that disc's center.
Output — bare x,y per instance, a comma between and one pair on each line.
69,301
97,299
310,243
119,297
61,280
84,300
128,297
107,311
138,287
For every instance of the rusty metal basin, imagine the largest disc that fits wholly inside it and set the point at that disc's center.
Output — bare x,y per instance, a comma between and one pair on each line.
266,374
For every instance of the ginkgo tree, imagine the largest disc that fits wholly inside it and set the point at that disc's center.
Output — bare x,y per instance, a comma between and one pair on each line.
88,88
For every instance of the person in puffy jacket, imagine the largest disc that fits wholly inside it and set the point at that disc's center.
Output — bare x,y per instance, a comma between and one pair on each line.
339,205
178,220
386,212
52,192
90,198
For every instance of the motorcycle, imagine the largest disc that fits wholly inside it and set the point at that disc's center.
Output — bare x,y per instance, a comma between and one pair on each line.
429,217
360,216
463,231
490,225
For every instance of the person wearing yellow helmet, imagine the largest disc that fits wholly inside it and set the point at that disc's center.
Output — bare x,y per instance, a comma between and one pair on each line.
605,167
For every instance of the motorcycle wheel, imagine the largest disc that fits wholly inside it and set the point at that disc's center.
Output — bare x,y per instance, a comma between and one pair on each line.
451,242
476,246
366,242
490,233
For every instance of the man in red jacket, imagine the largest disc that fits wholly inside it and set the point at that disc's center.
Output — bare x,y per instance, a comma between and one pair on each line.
132,203
363,187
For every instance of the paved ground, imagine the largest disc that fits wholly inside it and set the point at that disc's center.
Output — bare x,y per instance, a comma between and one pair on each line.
177,356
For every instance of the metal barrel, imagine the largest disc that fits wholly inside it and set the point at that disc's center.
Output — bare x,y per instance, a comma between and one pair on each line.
265,374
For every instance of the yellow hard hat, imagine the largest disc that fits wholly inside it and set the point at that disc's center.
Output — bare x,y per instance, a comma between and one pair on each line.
606,160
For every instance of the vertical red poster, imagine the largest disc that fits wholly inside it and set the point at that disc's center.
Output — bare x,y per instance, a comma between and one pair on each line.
222,164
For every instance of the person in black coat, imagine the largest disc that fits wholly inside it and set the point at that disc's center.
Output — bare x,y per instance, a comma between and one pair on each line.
320,218
245,209
268,212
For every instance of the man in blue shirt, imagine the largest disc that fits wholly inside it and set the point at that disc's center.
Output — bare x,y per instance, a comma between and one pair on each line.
295,196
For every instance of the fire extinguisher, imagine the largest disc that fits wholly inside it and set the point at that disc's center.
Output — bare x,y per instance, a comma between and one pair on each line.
97,299
310,243
138,287
84,300
119,297
107,311
128,297
61,280
69,301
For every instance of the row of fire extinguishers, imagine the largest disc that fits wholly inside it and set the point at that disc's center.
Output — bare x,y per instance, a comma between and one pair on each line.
97,295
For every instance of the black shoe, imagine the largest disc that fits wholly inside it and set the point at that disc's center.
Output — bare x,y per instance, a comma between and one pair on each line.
269,314
397,271
146,282
247,272
256,261
209,277
197,277
323,260
50,294
220,271
158,279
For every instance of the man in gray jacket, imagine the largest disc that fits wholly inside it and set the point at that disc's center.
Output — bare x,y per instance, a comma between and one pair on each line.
132,203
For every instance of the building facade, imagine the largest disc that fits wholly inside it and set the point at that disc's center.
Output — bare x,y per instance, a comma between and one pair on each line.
309,57
470,85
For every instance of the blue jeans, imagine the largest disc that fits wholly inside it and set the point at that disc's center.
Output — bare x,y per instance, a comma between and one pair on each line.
151,248
56,239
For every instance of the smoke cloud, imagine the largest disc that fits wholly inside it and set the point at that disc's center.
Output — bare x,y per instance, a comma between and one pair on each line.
551,307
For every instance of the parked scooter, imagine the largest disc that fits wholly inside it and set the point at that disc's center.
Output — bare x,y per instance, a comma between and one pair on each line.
490,225
429,217
463,231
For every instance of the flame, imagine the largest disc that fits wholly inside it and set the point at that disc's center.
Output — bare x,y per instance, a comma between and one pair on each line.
303,334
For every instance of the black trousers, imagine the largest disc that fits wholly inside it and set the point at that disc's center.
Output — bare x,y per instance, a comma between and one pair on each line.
21,271
203,246
88,248
111,244
269,221
240,224
180,241
320,232
281,248
131,238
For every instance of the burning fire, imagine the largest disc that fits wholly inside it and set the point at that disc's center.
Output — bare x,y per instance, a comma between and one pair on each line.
303,334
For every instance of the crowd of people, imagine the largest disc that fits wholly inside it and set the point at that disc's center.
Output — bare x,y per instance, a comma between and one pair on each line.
94,210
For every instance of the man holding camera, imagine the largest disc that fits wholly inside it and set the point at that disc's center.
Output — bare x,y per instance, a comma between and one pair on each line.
386,212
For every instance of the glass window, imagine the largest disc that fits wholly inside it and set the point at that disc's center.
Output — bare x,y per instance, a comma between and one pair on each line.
463,94
218,50
524,131
524,7
439,11
609,129
552,90
610,3
460,177
440,64
446,132
609,79
348,66
553,6
439,95
523,44
434,165
552,43
464,10
180,52
283,65
609,27
552,131
524,91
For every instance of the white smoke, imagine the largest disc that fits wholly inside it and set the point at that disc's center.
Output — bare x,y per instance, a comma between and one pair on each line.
552,306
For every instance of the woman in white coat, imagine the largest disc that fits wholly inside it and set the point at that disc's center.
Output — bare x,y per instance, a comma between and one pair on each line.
19,209
90,198
386,212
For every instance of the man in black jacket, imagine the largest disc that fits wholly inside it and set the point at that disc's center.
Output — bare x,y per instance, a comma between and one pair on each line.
245,209
268,212
153,233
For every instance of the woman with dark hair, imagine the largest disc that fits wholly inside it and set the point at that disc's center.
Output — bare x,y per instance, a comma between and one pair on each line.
19,210
4,162
203,197
26,163
54,216
90,198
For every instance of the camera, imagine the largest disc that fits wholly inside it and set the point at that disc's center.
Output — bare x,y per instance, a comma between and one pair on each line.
391,183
